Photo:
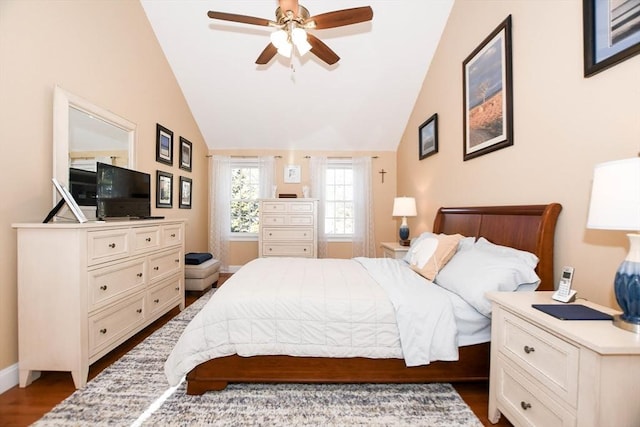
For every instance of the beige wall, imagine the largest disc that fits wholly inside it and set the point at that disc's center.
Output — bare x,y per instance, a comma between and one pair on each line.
106,53
383,193
563,125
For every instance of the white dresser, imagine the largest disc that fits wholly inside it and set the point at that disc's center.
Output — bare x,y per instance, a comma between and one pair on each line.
288,227
550,372
83,289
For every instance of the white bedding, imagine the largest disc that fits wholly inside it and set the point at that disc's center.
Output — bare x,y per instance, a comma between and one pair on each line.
365,307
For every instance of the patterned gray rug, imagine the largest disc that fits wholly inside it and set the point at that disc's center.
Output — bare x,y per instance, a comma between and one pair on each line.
134,391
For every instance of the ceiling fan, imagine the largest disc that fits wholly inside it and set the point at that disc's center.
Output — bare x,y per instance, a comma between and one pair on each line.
292,21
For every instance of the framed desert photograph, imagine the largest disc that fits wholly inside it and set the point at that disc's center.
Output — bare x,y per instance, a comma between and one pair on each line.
185,192
428,137
164,145
488,94
611,30
186,154
164,189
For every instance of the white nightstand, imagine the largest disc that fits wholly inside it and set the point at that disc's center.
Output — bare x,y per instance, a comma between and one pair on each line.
551,372
393,250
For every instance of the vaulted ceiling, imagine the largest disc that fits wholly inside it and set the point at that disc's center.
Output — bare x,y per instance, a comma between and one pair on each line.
361,103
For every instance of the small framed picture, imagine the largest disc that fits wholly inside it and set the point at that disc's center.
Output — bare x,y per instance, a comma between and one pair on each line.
428,137
185,192
164,145
611,31
164,189
69,200
185,154
292,174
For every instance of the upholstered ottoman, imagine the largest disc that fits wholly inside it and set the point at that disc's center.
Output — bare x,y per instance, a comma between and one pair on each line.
201,276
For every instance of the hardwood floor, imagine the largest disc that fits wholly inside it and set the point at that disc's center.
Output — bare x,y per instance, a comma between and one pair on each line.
23,406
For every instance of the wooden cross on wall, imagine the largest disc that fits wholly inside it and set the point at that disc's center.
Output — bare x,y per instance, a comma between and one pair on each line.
382,172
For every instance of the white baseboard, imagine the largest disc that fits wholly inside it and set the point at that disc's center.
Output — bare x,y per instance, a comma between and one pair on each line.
8,378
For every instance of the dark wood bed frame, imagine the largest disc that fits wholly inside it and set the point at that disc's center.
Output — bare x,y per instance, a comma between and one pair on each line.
530,228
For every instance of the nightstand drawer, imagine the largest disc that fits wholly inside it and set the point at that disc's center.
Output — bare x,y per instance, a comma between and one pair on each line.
550,360
526,403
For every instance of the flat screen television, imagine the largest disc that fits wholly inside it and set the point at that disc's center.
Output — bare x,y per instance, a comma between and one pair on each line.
122,192
82,186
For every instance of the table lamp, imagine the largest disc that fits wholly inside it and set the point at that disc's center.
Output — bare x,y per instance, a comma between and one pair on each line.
615,205
404,207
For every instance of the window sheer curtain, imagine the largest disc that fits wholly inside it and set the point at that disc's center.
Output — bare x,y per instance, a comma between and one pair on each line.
364,235
220,201
364,242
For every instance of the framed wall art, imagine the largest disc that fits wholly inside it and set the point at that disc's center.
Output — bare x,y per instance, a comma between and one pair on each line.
164,189
292,174
488,94
428,137
185,192
185,154
611,30
164,145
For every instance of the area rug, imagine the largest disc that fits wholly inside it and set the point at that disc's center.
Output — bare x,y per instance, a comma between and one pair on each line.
134,391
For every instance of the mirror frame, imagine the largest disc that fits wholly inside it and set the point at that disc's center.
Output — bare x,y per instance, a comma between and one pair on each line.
62,101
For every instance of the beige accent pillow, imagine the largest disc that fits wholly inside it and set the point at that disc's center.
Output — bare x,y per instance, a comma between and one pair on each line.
433,253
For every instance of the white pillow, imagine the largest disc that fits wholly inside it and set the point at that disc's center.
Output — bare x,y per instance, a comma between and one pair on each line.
527,257
476,270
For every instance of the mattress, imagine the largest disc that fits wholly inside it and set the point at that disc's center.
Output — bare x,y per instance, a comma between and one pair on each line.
364,307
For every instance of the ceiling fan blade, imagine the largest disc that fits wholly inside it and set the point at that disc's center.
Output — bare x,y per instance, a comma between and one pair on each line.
338,18
266,55
244,19
321,50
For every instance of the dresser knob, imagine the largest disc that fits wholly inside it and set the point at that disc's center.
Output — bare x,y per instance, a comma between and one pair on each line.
103,287
173,235
305,249
148,239
177,288
156,300
177,260
525,405
139,311
156,268
139,274
270,249
112,245
270,234
103,331
528,349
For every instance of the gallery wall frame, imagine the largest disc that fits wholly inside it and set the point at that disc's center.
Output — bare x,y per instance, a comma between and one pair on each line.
292,174
164,189
428,137
611,32
164,145
186,185
186,154
488,94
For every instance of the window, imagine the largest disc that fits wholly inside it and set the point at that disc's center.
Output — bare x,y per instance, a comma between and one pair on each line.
245,190
339,220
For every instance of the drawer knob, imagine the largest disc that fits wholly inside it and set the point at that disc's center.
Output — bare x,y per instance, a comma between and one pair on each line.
139,274
103,331
270,234
525,405
156,300
177,260
148,239
177,288
173,235
270,249
112,245
139,311
103,287
305,249
528,349
156,268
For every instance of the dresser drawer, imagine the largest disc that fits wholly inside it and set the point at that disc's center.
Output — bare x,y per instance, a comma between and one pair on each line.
525,403
301,233
165,264
279,207
110,283
146,239
107,245
165,294
301,207
288,249
107,326
172,235
552,361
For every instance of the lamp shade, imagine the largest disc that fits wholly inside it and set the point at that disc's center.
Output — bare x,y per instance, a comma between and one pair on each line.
404,206
615,196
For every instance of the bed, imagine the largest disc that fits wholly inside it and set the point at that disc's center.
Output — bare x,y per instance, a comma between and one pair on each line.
528,228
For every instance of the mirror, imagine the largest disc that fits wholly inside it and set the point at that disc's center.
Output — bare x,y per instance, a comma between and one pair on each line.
84,134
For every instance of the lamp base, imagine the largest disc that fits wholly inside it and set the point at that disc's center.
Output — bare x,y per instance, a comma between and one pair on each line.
623,324
405,242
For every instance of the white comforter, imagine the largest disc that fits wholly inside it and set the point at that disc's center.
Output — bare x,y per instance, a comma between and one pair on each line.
364,307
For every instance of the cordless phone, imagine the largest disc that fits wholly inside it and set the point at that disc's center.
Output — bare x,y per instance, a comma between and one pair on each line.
564,292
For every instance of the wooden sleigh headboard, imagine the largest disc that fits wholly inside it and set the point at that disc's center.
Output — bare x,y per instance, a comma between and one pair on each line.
529,227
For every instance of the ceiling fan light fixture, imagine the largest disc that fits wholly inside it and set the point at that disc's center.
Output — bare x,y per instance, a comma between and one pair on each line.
299,38
279,38
285,50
